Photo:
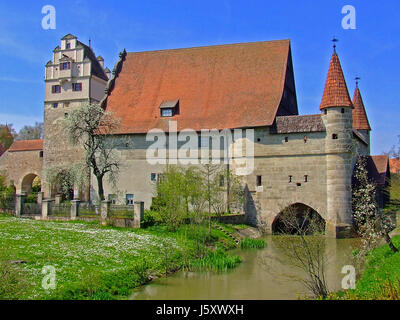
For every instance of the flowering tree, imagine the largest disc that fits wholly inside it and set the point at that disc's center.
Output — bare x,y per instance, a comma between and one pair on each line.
371,223
91,127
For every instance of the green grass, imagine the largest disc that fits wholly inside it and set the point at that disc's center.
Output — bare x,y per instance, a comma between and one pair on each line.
95,262
380,278
382,265
395,187
248,243
218,261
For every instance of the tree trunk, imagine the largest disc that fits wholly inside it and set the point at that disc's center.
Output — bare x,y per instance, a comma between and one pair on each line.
228,187
390,243
100,187
209,203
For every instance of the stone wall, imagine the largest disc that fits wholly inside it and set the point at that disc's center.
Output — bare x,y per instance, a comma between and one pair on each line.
22,167
294,168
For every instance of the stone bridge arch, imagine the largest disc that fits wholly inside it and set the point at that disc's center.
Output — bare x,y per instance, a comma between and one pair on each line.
296,216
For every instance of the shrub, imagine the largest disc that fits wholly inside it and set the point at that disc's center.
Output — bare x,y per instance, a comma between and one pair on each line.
151,218
32,198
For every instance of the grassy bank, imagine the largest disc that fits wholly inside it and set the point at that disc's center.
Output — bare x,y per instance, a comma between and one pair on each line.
380,278
382,270
95,262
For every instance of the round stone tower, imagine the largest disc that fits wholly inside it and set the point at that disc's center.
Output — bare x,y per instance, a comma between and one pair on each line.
336,108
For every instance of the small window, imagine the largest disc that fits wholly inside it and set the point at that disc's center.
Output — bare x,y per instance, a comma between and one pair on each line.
290,179
65,66
305,139
258,139
56,89
306,178
221,180
154,177
112,198
55,105
169,108
166,113
286,139
129,199
77,86
68,45
259,181
334,136
298,184
40,154
342,110
326,111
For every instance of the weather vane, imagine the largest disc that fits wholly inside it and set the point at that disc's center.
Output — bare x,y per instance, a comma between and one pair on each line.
334,40
357,80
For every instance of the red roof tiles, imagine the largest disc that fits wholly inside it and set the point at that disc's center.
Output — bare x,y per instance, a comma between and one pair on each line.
26,145
335,92
360,119
394,165
225,86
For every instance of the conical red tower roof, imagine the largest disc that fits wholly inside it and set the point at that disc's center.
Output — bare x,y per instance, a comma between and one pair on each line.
335,92
360,119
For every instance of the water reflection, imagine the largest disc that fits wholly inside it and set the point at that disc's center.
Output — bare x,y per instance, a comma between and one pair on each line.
263,275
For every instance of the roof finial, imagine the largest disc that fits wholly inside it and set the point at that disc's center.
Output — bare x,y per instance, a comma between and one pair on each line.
357,81
90,43
334,40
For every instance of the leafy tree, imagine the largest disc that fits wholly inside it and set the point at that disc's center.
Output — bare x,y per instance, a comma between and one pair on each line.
371,223
227,193
7,134
91,127
172,201
31,132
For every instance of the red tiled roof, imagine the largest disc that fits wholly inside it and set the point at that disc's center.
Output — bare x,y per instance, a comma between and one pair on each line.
225,86
377,167
394,165
360,119
335,92
26,145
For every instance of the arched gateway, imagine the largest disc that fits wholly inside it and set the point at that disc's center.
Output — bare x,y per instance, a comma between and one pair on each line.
27,182
298,218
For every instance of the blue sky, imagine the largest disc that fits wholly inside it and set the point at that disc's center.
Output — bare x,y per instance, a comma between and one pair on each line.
371,51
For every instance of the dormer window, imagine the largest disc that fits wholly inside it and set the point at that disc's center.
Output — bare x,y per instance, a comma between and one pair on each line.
68,45
167,113
169,108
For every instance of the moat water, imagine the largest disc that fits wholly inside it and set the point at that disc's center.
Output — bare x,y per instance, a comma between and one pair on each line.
263,275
